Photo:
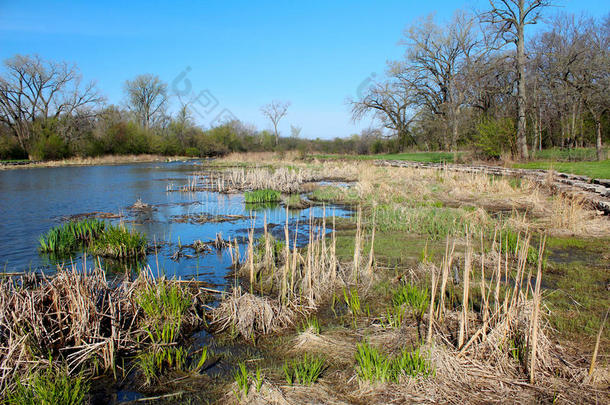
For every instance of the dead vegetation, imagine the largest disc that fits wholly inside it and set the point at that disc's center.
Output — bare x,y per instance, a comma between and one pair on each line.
78,318
489,346
298,279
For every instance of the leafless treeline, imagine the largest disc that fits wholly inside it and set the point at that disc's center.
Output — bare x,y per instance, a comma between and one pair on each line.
554,88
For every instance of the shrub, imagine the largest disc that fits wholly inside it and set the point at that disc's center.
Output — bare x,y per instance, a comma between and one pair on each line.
10,149
495,136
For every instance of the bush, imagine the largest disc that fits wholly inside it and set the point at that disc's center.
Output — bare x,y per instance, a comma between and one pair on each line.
192,152
495,136
10,149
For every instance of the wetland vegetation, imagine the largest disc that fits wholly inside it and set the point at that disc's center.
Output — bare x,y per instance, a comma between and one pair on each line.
439,285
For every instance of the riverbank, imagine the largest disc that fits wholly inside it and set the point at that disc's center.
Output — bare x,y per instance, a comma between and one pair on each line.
91,161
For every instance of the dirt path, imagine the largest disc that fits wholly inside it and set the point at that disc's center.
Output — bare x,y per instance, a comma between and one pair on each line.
594,192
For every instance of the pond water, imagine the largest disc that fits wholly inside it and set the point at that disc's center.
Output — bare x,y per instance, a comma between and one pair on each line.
36,199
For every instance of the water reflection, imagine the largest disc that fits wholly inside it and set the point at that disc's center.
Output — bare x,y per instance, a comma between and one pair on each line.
34,200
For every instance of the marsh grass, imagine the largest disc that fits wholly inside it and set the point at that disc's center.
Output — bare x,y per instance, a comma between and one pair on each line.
119,242
164,306
414,297
71,236
159,360
375,366
93,235
432,221
305,370
352,300
311,324
241,377
262,196
86,322
51,386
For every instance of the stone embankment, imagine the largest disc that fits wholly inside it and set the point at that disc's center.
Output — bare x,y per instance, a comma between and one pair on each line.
594,192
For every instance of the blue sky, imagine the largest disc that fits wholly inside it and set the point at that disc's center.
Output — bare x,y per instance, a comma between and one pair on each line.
235,55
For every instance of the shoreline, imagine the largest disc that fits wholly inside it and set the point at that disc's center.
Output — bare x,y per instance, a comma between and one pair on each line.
106,160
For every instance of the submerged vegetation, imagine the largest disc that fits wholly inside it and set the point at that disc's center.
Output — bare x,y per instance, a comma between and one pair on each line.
94,236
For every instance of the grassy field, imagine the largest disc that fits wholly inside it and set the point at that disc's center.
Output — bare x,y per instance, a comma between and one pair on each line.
432,157
597,170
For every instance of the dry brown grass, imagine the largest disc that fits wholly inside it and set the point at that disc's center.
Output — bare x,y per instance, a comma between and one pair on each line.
99,160
76,316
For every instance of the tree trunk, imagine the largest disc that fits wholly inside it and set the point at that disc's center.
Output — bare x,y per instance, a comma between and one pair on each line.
598,144
521,125
454,132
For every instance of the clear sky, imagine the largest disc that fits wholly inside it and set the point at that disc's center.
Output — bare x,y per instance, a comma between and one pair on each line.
234,55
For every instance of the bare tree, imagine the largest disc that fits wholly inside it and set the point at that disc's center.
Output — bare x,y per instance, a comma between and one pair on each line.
510,18
33,88
391,102
275,111
147,98
295,131
437,61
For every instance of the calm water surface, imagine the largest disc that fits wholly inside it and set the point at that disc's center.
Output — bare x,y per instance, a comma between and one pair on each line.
36,199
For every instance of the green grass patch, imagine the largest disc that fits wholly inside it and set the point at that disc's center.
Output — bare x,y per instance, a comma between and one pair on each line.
262,196
310,324
49,387
596,169
566,155
120,242
431,157
413,296
95,236
305,370
71,236
375,366
164,306
432,221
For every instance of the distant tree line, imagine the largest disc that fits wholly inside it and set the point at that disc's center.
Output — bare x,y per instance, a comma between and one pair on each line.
471,83
474,82
47,112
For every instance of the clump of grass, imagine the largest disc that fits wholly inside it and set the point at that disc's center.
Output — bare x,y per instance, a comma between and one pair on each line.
305,370
415,297
512,242
71,236
161,359
49,387
372,364
262,196
119,242
164,306
96,236
434,221
352,300
395,315
241,377
311,324
375,366
327,193
412,363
